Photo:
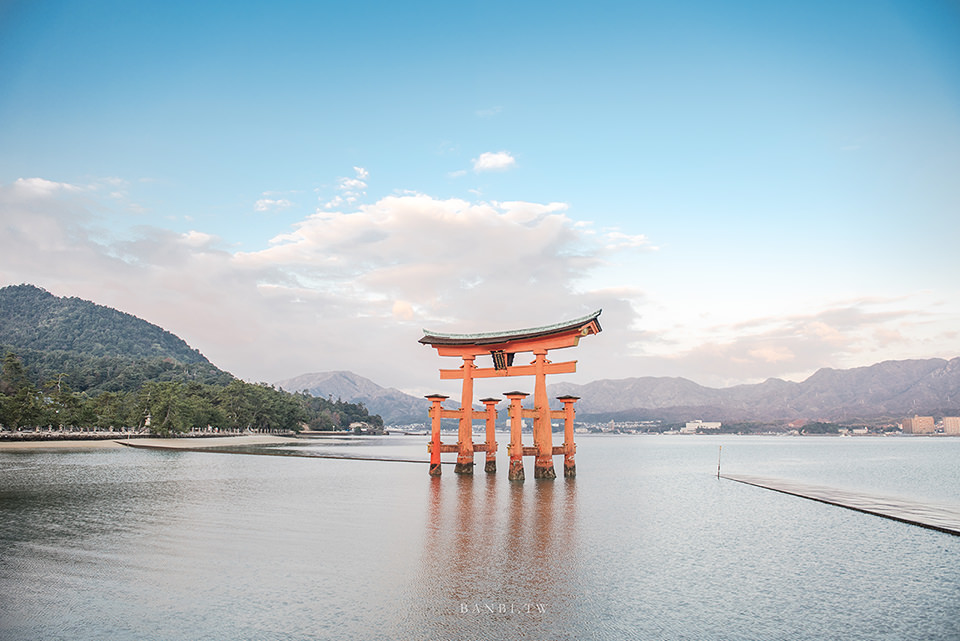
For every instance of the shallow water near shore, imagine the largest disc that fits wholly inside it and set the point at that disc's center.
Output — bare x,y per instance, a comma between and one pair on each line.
645,543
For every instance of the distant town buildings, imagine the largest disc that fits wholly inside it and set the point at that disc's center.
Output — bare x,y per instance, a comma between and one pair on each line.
918,425
951,424
699,426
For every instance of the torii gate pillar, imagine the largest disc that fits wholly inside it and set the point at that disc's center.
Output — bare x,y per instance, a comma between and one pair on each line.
569,447
490,467
465,430
516,443
542,426
436,413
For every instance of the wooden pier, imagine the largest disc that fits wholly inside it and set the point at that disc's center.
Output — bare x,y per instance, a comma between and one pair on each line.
942,518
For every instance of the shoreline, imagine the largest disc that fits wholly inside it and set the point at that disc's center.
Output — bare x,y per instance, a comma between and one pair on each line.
194,442
210,442
60,444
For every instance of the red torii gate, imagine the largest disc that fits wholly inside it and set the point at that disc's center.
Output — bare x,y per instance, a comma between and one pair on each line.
502,347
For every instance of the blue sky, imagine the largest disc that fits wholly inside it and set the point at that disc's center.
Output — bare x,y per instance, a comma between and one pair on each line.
748,189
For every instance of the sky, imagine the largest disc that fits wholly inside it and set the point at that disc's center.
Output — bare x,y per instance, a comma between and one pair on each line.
746,189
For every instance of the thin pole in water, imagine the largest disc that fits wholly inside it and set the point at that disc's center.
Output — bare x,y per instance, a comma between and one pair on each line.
719,452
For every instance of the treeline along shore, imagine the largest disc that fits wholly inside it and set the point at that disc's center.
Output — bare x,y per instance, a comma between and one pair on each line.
47,407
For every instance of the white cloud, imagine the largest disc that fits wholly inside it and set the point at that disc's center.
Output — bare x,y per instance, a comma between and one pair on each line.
114,188
43,187
197,238
616,240
338,291
351,189
494,161
352,184
413,246
266,204
525,212
403,310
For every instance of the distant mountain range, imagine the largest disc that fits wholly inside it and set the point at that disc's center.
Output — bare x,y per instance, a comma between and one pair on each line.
395,407
888,389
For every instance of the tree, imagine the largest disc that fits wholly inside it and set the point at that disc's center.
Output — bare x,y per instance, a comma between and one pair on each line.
13,375
22,403
202,406
62,406
163,404
820,428
112,410
157,390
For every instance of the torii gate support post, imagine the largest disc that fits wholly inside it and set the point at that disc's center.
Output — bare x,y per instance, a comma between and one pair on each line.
569,447
515,472
465,442
542,426
490,405
436,414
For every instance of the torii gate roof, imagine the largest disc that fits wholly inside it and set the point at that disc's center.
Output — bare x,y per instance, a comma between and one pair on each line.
495,338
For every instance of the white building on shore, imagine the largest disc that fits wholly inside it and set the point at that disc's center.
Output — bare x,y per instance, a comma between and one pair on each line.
693,426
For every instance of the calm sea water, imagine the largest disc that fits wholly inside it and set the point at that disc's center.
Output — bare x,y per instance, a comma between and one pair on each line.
645,544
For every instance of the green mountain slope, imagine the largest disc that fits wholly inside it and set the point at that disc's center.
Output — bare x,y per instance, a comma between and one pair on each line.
34,319
92,347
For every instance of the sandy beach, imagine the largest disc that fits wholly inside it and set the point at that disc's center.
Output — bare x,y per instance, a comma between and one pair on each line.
7,446
166,443
213,441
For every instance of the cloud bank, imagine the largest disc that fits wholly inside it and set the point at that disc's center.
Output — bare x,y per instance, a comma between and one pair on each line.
343,289
352,288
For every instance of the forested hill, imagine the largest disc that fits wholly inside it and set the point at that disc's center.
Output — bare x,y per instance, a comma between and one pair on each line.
94,348
34,319
70,363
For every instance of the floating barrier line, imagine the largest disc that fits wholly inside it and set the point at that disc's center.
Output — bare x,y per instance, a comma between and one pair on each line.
227,449
933,517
